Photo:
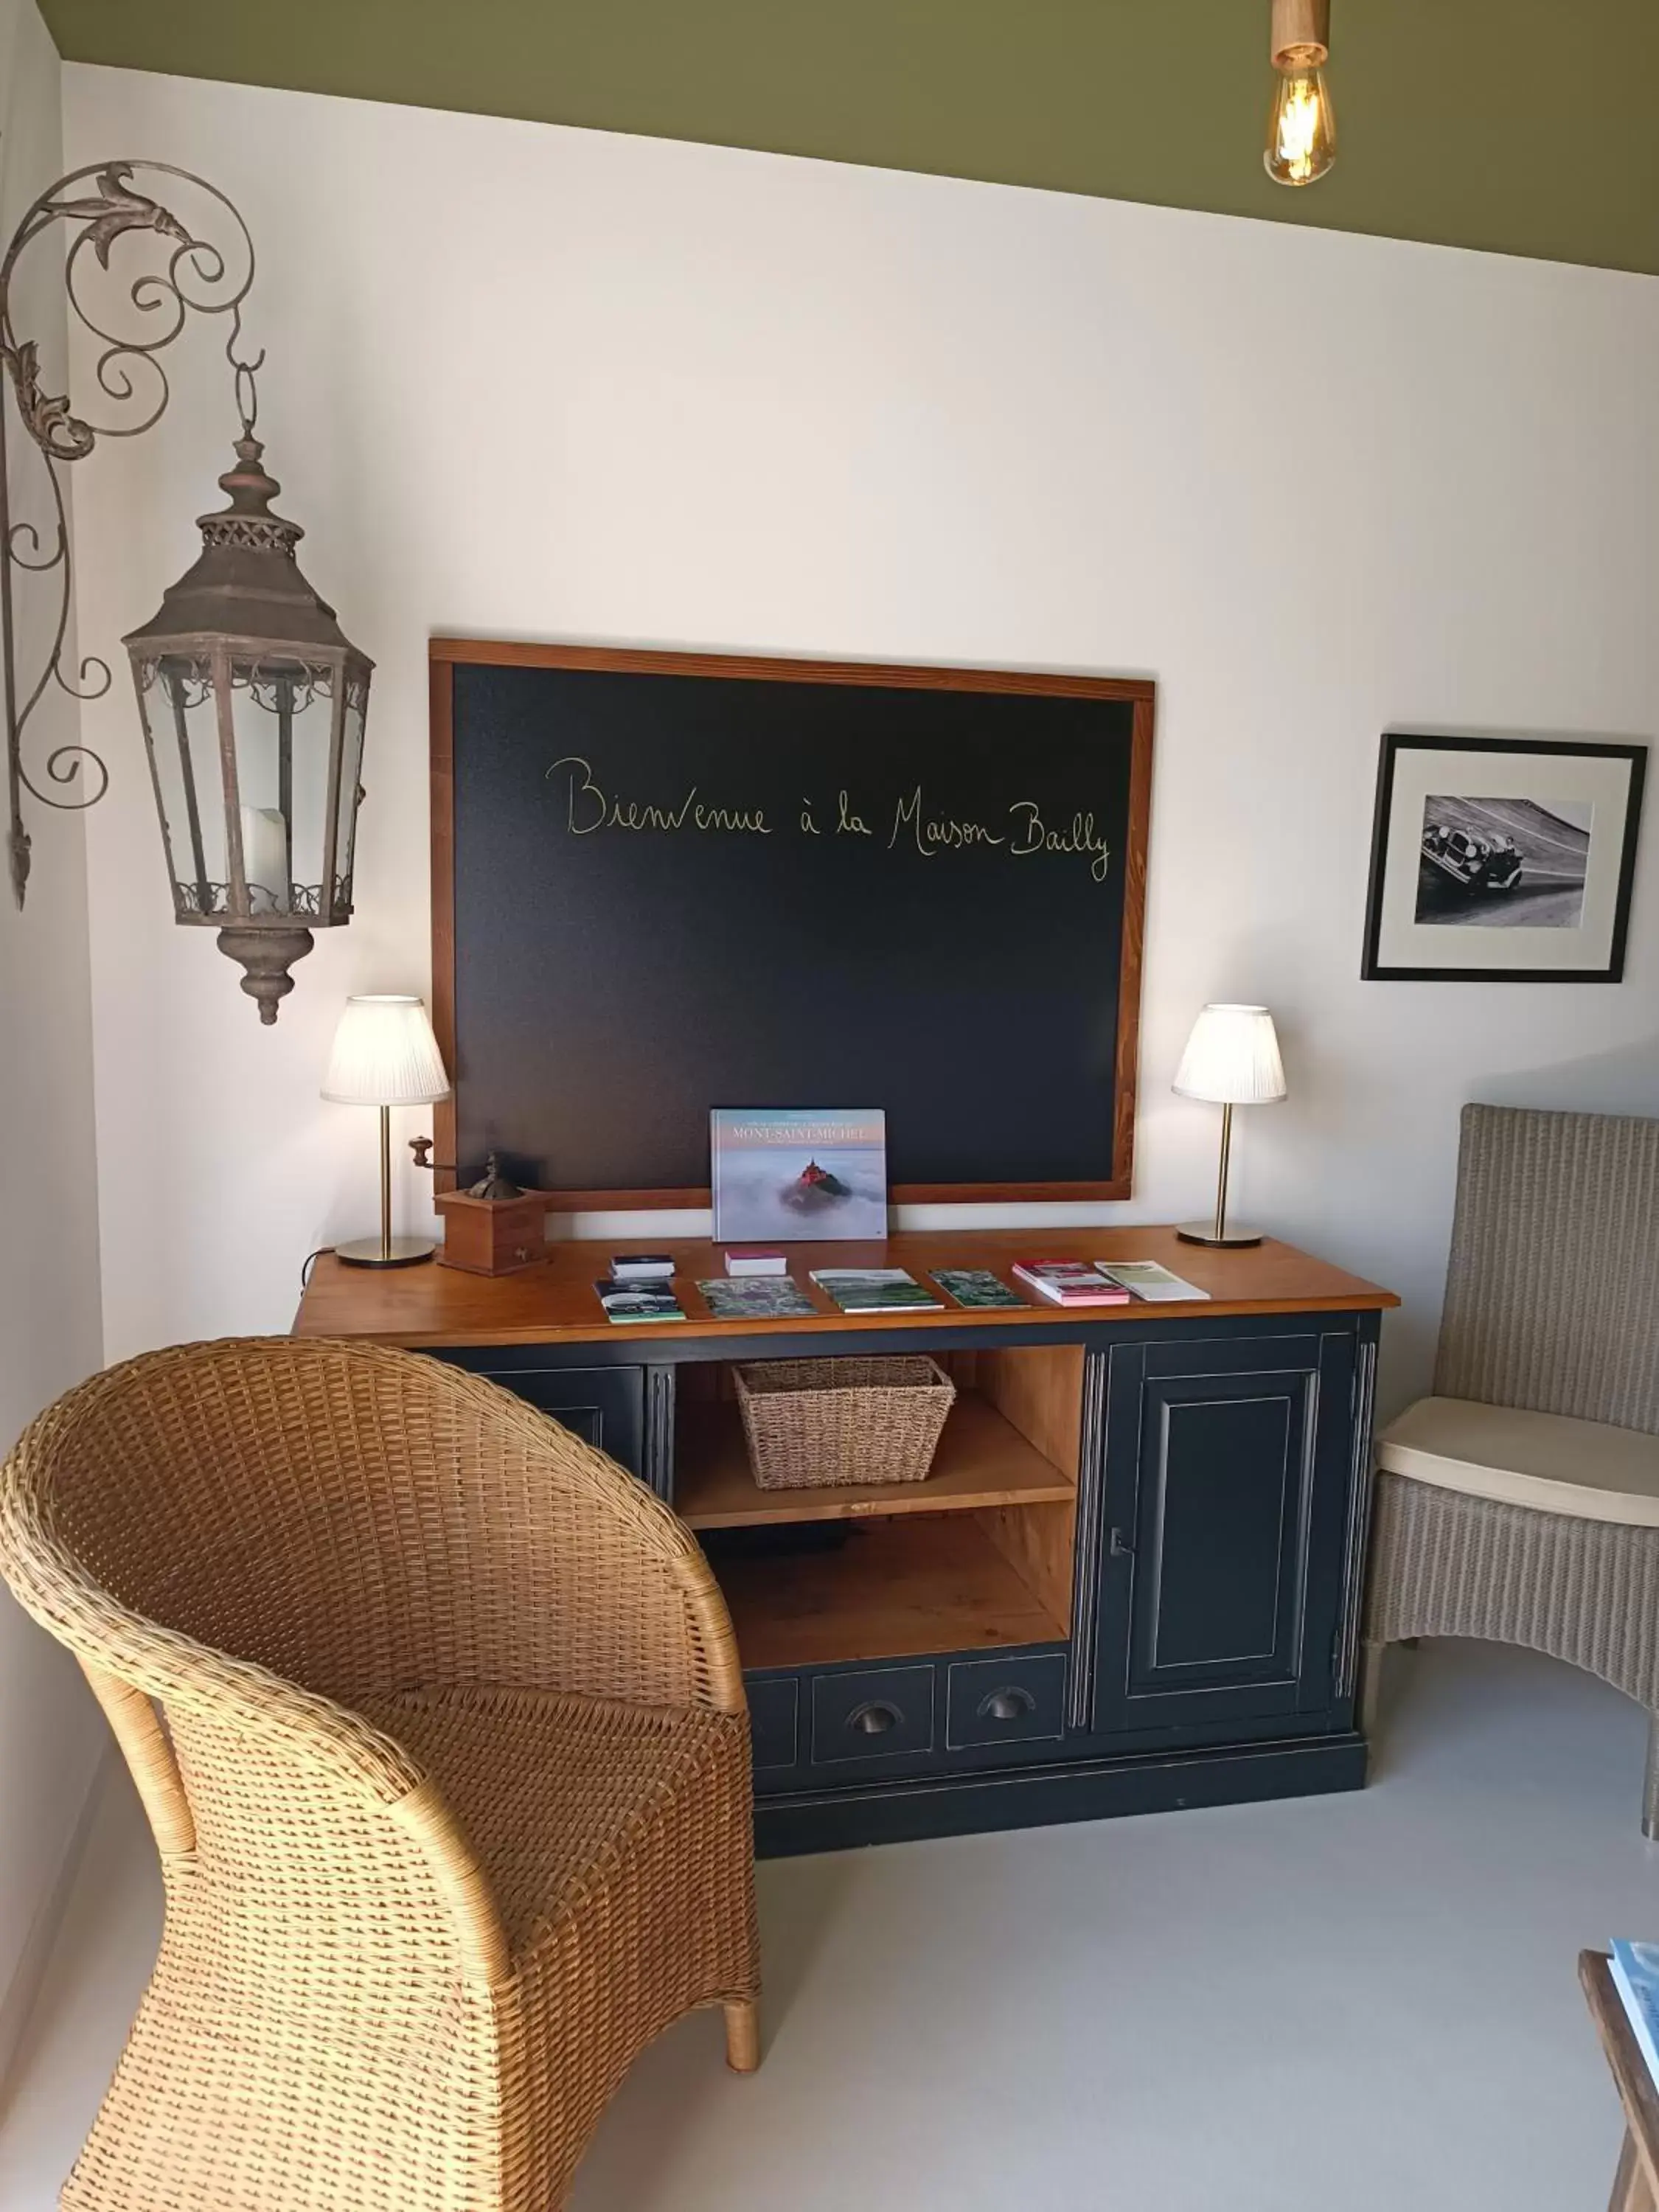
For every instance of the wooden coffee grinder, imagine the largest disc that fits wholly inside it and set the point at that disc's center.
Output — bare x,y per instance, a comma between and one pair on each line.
491,1228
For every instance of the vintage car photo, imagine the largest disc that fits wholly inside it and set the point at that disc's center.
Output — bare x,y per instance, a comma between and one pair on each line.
1503,863
1501,860
1476,863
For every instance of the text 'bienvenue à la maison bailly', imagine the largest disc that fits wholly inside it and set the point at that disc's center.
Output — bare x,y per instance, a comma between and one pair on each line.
591,809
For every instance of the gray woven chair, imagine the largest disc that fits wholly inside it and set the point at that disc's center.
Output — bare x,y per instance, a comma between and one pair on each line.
1520,1503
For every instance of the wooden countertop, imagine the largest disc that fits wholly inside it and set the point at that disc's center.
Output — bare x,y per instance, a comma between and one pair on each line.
553,1303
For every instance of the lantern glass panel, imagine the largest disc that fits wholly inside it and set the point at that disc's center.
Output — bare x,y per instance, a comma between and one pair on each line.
351,767
181,726
283,713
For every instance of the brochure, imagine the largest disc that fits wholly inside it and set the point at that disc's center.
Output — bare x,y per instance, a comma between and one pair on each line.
1149,1280
756,1297
875,1289
975,1286
636,1301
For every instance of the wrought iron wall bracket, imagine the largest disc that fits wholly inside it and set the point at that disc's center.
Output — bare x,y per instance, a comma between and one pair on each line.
133,326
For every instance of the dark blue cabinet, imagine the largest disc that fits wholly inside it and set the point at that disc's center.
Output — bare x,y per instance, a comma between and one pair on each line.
1227,1465
1216,1555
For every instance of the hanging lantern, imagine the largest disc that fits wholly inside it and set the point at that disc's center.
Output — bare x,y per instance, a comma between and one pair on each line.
253,703
252,699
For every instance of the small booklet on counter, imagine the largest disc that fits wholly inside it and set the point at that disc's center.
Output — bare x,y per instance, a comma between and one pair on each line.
756,1297
752,1260
637,1302
975,1286
1150,1281
1070,1283
876,1290
641,1267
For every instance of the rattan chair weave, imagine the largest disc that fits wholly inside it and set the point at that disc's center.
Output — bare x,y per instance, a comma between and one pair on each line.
450,1777
1552,1282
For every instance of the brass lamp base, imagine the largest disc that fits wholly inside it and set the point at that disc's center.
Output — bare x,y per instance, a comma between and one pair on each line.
388,1252
385,1250
1220,1230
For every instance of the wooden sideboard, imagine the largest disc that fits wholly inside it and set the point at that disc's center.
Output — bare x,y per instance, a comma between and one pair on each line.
1131,1582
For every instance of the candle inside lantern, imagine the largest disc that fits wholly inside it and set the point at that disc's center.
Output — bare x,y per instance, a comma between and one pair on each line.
264,858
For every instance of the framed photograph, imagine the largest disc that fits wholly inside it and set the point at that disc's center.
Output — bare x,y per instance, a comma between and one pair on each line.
1501,860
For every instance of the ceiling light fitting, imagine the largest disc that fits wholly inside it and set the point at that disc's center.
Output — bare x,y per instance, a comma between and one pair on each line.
1302,124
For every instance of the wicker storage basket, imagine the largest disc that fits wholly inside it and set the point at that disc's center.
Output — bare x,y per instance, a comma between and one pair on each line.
813,1422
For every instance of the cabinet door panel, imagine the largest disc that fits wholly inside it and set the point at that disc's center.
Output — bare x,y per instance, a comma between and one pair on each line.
1220,1514
604,1406
1226,1485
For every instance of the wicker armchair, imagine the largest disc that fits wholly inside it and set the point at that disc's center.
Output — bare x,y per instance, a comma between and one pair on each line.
449,1776
1521,1502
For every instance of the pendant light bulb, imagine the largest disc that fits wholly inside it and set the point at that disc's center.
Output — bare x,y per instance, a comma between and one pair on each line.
1302,129
1302,126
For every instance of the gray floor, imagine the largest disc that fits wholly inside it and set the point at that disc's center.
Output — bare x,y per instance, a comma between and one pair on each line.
1364,2003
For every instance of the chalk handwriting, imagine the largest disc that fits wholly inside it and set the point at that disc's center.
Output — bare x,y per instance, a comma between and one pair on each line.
1037,837
926,826
936,833
589,808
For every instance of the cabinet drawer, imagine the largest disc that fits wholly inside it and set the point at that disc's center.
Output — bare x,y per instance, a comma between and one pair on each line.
774,1722
604,1406
879,1712
1013,1700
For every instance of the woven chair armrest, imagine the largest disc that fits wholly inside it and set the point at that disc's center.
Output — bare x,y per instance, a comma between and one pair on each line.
129,1660
185,1675
708,1624
627,1575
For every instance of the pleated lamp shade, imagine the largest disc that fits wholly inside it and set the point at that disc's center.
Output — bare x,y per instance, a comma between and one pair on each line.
384,1054
1232,1058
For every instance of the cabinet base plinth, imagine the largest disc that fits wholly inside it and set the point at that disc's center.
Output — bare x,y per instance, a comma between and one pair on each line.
1031,1797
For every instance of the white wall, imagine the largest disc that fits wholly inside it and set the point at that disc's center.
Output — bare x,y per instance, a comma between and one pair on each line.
50,1733
541,383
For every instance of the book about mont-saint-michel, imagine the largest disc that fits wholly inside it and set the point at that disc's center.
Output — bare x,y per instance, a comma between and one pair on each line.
798,1175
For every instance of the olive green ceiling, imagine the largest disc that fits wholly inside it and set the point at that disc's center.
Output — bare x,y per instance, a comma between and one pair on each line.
1480,123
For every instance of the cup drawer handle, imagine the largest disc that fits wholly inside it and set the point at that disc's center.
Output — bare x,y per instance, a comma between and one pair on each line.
874,1718
1009,1704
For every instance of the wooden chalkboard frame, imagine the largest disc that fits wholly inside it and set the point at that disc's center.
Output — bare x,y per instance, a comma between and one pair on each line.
445,654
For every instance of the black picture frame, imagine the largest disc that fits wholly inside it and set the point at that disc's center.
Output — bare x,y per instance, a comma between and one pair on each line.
1374,969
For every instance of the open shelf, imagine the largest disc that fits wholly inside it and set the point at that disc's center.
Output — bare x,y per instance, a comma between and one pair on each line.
982,1460
889,1589
978,1556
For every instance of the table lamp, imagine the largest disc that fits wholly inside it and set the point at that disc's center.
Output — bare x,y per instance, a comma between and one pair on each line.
384,1054
1231,1058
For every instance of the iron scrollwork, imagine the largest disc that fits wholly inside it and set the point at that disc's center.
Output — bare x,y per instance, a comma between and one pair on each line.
140,318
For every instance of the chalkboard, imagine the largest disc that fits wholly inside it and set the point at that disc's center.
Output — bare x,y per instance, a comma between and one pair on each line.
662,883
